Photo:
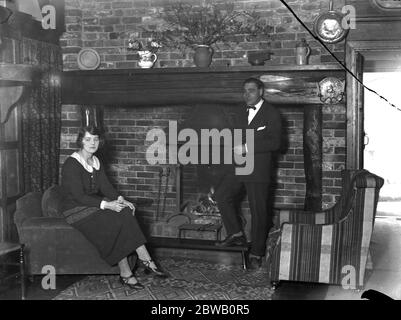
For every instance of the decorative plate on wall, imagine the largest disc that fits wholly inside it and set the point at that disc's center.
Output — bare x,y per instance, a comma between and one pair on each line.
331,90
88,59
328,26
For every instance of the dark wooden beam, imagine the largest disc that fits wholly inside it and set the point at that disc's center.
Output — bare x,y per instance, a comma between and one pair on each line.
176,86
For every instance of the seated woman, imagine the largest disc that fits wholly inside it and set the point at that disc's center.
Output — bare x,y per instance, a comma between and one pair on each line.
94,207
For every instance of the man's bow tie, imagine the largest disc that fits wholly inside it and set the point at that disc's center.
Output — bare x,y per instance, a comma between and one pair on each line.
250,107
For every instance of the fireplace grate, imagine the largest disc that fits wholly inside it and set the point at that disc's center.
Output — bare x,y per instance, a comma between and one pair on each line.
200,227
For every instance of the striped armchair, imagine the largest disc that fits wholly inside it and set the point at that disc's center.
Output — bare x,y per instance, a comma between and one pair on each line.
330,246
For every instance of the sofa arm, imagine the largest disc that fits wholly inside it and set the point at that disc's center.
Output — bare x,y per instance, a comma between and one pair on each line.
28,206
38,226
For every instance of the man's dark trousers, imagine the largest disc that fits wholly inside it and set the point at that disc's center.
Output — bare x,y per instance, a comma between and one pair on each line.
261,219
267,139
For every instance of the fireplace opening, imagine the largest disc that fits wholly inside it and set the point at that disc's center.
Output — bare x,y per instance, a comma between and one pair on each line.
197,182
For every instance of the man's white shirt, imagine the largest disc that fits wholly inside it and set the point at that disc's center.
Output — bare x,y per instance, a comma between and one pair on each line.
252,113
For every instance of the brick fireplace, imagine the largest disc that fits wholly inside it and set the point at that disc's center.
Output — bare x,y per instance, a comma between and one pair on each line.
134,105
129,115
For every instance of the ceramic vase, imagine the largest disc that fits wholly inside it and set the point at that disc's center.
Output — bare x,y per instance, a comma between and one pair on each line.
146,59
302,52
203,56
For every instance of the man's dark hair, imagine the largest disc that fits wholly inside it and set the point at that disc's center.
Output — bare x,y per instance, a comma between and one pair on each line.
256,81
93,131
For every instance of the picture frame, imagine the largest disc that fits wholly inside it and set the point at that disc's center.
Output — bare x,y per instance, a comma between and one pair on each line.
387,4
376,10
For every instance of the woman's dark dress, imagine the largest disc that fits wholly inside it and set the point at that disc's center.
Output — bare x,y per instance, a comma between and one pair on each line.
116,235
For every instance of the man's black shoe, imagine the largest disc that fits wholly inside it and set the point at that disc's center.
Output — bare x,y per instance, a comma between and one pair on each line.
232,240
254,263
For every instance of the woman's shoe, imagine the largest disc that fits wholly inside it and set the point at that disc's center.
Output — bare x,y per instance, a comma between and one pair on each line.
134,286
155,270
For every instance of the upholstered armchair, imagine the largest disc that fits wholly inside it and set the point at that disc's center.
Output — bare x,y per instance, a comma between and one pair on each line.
331,246
49,240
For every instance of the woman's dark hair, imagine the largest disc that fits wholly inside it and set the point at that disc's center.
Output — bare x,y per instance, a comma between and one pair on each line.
93,131
256,81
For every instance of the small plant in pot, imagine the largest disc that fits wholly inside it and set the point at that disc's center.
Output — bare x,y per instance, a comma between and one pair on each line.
199,27
146,53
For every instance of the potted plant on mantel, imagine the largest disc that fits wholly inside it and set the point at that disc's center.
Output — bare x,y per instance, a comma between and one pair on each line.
199,27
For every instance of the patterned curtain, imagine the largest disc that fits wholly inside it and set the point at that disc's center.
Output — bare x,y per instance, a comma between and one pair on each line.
41,118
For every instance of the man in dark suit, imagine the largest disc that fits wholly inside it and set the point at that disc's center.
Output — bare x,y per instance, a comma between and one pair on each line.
264,119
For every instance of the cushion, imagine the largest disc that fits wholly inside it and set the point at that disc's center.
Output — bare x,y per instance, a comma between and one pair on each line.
51,201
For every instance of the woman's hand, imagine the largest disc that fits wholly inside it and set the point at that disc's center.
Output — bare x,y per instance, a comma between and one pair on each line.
115,205
127,204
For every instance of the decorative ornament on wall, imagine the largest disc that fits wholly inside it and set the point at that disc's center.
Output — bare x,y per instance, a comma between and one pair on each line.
331,90
328,26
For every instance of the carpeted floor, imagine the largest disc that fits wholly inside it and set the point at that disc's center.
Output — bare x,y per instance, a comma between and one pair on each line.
189,280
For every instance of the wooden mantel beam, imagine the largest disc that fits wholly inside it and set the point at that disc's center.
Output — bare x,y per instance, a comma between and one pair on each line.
177,86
